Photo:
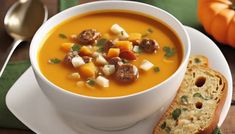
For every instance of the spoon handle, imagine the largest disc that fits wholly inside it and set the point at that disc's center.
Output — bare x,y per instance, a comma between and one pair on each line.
4,59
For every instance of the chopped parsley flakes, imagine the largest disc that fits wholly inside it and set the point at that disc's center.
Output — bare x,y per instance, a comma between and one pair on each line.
76,47
63,36
156,69
90,82
169,52
54,61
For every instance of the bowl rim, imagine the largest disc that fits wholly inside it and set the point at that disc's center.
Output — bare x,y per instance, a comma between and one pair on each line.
37,71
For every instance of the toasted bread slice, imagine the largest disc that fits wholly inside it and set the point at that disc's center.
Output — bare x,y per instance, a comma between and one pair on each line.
198,60
197,105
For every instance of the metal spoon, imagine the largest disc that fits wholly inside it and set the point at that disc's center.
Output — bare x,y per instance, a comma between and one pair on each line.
21,22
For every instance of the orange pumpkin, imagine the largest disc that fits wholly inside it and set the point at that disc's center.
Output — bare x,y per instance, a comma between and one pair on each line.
218,19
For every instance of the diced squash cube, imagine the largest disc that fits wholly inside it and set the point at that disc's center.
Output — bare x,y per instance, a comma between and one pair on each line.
66,46
124,45
100,60
77,61
108,69
85,51
134,36
113,52
102,81
87,70
146,65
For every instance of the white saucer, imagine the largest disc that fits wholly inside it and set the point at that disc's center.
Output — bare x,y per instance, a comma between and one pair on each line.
26,101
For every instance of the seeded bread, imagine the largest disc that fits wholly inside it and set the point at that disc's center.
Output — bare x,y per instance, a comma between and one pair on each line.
197,105
198,60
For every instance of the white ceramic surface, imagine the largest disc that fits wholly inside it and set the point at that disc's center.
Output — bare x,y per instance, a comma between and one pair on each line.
111,112
26,101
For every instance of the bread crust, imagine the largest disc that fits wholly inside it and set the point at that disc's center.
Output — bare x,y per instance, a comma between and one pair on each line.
213,124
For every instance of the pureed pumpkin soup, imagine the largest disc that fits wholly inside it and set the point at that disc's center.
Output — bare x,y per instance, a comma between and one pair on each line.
109,53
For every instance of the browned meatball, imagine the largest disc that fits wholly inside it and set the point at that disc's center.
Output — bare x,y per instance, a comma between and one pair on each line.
115,61
68,57
149,46
109,44
88,36
87,59
126,73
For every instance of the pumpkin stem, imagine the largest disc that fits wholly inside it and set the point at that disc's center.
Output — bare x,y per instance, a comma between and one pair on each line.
233,4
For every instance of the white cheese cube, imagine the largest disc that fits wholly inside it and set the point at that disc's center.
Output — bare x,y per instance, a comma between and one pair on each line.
136,49
102,81
118,30
77,61
108,69
100,60
146,65
123,35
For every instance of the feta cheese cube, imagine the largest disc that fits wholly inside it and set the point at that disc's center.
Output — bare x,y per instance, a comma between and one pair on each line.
100,60
118,30
102,81
77,61
108,69
146,65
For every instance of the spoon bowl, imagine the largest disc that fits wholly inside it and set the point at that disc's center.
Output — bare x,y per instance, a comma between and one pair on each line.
21,22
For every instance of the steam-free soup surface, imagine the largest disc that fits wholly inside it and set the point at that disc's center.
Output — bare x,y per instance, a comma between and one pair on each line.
164,63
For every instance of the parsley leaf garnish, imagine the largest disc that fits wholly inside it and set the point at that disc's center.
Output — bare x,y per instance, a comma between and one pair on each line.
76,47
63,36
100,43
91,82
54,61
169,52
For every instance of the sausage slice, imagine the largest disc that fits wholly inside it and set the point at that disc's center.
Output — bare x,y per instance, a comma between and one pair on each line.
109,44
88,36
116,61
126,73
149,45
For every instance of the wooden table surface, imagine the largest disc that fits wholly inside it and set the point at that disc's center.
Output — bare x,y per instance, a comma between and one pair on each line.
21,53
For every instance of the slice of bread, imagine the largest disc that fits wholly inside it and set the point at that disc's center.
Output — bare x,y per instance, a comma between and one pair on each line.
197,105
198,60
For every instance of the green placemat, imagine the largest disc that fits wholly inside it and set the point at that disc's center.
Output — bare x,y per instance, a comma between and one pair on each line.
184,10
12,72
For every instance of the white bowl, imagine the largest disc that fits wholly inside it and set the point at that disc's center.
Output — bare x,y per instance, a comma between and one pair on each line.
111,113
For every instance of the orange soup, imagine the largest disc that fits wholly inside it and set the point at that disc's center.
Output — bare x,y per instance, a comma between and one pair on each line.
109,53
